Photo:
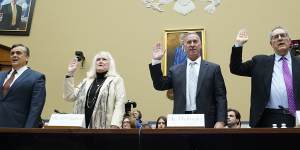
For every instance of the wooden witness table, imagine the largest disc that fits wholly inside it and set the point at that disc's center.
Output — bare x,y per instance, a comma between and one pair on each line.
146,139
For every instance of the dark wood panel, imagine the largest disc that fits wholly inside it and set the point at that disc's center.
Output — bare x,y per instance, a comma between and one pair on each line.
149,139
5,63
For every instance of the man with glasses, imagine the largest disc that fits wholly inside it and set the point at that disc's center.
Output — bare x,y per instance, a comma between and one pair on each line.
275,80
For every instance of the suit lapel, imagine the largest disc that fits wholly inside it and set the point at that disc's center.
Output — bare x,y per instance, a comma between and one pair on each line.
269,67
19,80
296,79
183,77
106,82
88,84
2,79
202,71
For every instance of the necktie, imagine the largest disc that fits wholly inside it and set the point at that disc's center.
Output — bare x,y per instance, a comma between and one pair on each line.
288,80
192,85
14,15
7,84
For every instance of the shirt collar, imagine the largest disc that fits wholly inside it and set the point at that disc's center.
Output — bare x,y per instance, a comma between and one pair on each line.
198,60
287,56
20,70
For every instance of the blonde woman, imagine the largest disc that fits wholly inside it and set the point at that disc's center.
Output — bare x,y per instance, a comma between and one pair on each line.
100,96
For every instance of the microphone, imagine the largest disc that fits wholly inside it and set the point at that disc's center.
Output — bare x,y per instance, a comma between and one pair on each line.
285,111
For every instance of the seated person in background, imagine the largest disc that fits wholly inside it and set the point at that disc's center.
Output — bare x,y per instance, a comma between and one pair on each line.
161,122
233,118
128,123
100,96
137,115
146,126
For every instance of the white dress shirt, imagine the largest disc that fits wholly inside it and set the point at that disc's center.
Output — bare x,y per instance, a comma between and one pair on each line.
278,95
191,102
17,75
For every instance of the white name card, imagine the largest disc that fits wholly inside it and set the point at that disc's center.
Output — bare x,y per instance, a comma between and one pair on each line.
67,120
185,120
298,119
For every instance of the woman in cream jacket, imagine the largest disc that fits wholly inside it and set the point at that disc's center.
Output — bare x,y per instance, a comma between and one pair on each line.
100,96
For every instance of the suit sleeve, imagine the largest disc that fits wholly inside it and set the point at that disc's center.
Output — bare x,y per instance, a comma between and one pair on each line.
70,92
159,81
37,102
236,65
220,95
120,100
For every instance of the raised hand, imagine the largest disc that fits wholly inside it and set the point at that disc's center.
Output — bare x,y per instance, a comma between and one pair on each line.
157,52
242,37
73,66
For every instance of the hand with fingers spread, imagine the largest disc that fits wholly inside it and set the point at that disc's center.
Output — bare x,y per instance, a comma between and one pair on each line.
157,52
241,38
72,67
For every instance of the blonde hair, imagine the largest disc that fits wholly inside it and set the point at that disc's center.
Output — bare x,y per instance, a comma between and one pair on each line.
111,62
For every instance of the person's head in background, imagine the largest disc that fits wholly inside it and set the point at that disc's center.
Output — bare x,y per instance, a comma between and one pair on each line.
181,38
128,123
280,40
19,55
161,122
233,118
137,114
146,126
192,45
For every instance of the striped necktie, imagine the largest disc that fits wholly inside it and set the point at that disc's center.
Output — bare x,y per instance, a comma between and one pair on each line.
288,80
7,84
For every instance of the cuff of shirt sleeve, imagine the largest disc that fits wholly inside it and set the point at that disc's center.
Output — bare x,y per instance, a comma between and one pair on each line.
236,44
155,62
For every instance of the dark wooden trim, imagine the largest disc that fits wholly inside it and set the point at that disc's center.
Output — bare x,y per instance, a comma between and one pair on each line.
149,139
4,47
157,131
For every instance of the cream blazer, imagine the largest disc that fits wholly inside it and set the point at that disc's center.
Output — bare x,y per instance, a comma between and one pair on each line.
110,106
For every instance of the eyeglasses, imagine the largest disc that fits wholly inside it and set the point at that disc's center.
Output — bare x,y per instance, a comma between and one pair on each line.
281,35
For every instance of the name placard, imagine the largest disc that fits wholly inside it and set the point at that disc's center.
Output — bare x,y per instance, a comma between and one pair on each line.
185,120
67,120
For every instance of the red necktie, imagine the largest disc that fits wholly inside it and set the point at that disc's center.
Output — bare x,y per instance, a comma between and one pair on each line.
7,84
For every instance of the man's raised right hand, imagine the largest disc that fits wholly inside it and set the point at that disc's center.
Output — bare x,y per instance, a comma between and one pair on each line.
241,38
157,52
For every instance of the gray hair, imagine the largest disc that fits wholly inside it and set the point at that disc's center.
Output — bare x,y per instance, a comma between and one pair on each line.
111,69
191,32
278,27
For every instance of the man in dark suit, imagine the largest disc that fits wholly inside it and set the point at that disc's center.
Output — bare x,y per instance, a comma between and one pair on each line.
275,80
198,85
11,16
22,92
